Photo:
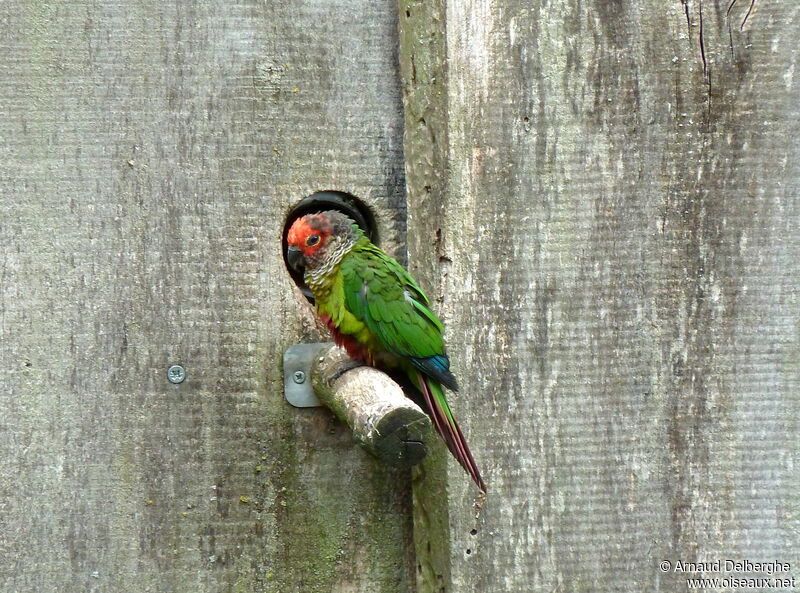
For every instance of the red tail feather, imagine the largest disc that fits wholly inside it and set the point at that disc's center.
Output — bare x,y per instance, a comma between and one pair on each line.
451,433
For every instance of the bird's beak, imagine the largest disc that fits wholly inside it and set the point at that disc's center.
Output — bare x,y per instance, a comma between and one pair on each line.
295,258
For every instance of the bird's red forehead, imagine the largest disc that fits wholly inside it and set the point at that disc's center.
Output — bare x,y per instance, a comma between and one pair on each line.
299,230
307,225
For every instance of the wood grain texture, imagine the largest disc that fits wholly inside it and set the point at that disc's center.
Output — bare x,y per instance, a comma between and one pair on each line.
148,154
615,255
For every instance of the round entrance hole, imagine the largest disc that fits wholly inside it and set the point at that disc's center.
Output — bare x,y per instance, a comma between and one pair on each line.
320,202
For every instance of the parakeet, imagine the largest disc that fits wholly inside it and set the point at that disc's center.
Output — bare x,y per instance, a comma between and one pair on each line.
377,312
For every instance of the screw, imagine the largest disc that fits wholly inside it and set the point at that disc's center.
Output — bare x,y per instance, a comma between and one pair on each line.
176,374
299,377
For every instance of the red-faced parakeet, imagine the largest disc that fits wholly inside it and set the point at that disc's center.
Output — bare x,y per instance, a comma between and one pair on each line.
378,313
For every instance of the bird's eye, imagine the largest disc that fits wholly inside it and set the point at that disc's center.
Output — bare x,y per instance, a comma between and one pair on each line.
312,240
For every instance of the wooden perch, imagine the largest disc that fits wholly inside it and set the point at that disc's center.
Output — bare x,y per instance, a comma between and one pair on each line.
383,419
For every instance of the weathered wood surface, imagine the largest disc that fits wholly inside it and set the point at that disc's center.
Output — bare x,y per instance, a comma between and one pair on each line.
384,421
615,250
148,154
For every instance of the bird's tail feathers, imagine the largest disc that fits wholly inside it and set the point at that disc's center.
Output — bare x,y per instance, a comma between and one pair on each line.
447,427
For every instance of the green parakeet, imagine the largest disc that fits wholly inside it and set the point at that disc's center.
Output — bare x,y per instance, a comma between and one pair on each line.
378,313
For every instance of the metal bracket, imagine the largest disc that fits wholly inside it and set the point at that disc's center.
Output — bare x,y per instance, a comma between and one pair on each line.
297,362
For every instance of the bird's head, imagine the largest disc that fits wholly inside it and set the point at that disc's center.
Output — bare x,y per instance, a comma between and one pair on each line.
320,239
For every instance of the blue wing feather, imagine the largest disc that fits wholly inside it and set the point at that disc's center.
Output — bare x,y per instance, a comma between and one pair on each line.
438,368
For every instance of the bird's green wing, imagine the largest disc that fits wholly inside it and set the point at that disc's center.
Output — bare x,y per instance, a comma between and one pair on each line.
381,294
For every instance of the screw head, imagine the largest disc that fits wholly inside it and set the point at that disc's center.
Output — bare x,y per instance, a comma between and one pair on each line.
176,374
299,377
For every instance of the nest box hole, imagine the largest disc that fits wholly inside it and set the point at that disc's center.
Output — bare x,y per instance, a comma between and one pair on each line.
319,202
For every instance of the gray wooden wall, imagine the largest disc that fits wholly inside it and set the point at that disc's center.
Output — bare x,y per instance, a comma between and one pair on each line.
604,207
148,154
616,251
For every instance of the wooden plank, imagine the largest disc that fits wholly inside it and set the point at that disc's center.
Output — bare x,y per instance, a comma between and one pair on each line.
614,249
149,154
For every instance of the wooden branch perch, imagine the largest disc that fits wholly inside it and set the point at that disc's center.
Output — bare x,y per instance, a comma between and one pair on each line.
383,419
